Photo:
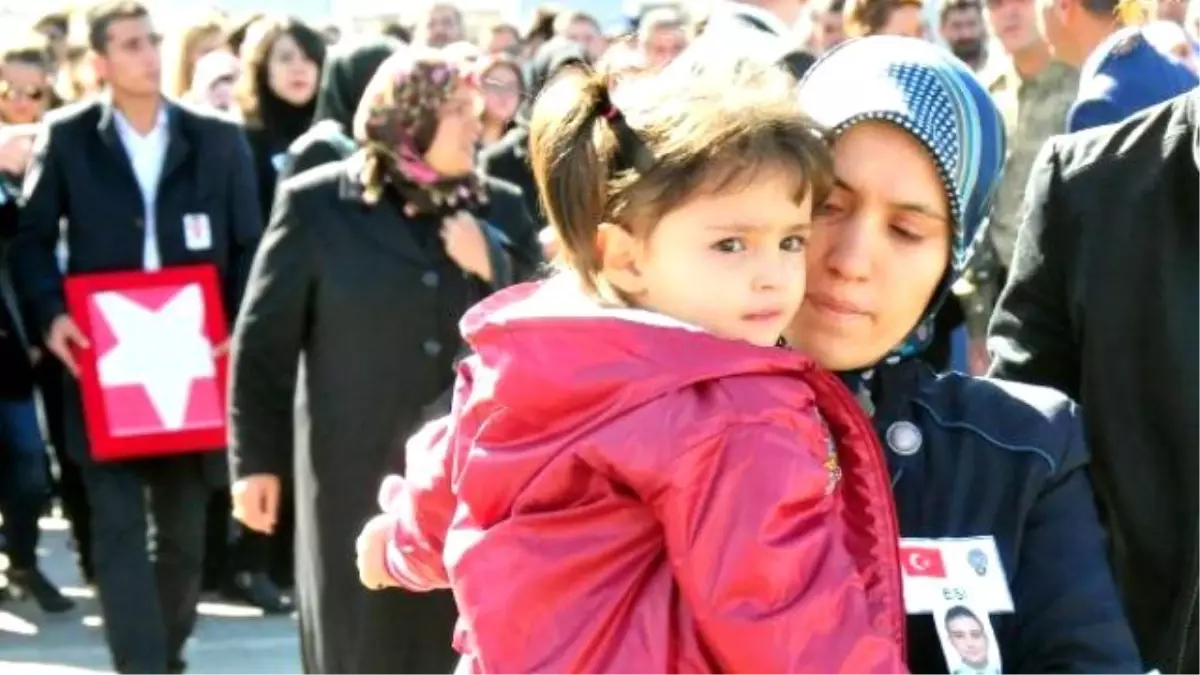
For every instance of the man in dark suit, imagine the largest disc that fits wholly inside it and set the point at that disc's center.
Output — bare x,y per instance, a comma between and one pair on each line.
122,174
1101,304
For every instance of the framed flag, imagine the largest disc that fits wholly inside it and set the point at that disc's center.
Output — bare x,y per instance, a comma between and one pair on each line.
152,383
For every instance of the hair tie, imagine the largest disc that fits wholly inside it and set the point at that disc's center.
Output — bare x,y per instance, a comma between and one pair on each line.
605,107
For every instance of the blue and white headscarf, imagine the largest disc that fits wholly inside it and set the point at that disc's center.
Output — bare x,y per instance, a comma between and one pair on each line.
928,92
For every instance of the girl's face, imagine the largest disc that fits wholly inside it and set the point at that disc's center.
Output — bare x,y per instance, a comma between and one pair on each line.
290,73
501,93
879,249
731,262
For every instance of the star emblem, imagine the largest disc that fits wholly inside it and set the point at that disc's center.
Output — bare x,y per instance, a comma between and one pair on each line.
164,350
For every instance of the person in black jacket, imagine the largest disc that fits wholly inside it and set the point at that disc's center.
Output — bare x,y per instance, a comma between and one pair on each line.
24,475
115,179
1101,304
508,158
276,94
364,272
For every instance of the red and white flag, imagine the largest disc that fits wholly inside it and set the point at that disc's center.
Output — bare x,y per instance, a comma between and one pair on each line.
922,561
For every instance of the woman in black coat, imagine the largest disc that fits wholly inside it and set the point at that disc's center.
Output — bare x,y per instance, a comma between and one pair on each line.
361,278
276,94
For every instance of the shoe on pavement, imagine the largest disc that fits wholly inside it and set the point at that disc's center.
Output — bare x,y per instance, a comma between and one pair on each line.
31,582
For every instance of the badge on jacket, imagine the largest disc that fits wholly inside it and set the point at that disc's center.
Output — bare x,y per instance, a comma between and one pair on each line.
197,232
961,582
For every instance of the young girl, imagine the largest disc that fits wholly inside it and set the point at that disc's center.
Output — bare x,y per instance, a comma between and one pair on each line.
633,477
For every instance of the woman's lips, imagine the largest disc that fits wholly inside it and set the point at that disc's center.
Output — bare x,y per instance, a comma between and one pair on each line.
836,307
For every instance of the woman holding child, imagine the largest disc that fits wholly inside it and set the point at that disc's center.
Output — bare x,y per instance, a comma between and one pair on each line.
661,518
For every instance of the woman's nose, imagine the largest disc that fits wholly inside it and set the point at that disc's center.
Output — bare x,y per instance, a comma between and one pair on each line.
848,254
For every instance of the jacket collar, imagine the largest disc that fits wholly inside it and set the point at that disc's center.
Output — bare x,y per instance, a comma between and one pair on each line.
178,145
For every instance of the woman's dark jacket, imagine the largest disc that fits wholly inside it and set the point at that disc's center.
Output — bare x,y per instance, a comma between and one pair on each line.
1009,461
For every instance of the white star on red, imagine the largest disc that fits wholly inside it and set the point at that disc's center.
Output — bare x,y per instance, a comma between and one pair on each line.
162,350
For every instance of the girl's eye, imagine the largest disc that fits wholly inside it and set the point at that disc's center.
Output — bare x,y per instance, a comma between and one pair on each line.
730,245
793,243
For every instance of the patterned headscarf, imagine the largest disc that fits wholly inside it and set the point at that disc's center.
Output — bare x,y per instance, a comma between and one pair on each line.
929,93
396,122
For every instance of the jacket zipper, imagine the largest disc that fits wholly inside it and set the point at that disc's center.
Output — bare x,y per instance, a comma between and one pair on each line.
1189,620
833,385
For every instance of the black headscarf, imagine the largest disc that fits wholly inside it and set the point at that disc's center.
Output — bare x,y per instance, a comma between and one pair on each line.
347,71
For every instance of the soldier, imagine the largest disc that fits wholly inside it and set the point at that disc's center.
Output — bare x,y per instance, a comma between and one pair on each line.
1120,71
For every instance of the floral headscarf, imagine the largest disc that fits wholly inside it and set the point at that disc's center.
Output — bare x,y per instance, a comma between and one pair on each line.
395,124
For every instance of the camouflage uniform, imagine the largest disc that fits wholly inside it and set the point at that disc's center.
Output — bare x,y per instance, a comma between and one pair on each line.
1034,110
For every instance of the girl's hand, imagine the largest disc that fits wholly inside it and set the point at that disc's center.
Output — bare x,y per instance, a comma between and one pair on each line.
371,548
466,245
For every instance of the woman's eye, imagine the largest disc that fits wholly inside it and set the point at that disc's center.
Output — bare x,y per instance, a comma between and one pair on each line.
906,234
829,209
793,243
731,245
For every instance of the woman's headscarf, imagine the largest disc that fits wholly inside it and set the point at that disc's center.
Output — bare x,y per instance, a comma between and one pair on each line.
348,69
929,93
395,124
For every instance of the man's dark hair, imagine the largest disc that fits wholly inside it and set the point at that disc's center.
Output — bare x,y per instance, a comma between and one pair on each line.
949,6
1102,8
960,612
56,22
830,6
104,14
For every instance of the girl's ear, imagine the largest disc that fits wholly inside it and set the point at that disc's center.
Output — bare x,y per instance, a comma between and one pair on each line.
620,259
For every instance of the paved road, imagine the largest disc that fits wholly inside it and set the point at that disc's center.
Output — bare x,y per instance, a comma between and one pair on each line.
229,639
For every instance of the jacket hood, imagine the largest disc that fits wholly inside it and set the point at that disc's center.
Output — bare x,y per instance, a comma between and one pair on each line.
928,92
548,352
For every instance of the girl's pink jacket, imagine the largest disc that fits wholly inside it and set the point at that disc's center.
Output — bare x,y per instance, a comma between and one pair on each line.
617,492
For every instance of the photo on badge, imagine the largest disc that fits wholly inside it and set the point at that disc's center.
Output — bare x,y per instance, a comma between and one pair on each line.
968,640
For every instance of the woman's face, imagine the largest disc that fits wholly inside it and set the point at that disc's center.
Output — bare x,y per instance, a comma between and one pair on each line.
290,73
452,151
501,93
879,248
24,92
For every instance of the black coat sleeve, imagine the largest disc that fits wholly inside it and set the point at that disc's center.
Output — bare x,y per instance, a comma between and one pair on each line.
35,274
245,219
267,342
1032,338
1072,619
513,234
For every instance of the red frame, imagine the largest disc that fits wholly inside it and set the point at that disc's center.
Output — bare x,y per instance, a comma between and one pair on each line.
102,443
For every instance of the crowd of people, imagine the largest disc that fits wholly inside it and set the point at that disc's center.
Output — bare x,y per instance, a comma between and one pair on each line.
780,333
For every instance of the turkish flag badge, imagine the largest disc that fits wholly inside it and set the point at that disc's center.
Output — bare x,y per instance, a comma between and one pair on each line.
151,383
922,561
